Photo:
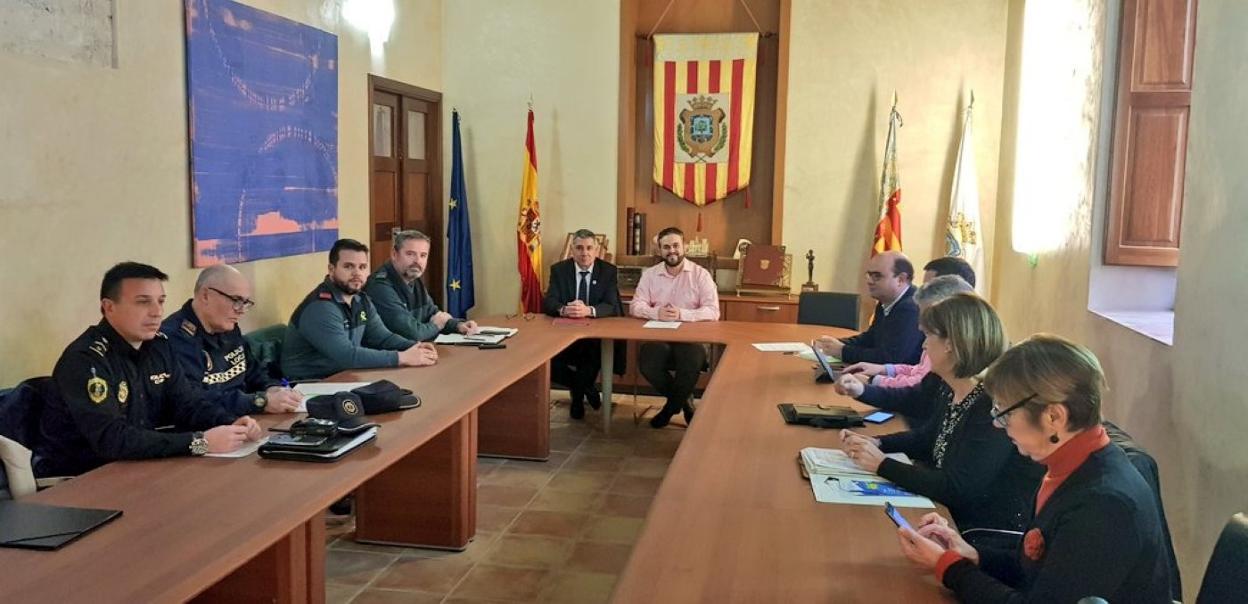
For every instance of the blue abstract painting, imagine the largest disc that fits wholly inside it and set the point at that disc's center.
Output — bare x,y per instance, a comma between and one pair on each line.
263,103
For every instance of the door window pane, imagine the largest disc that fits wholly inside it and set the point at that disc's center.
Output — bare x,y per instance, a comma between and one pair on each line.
383,120
415,135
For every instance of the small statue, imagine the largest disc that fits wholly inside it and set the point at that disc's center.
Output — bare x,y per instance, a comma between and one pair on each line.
810,285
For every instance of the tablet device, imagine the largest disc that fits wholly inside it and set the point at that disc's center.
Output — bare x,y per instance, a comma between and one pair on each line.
896,516
828,376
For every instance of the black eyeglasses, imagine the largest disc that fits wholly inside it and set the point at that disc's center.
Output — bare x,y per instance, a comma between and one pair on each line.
241,304
1001,418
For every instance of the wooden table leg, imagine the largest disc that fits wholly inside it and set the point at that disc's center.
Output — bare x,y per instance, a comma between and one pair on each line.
290,571
608,374
426,499
516,422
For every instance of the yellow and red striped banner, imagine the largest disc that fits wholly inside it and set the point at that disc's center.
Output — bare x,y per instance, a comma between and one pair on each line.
529,231
888,229
704,113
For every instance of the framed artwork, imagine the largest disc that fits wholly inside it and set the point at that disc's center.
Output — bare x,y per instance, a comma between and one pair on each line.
262,95
567,246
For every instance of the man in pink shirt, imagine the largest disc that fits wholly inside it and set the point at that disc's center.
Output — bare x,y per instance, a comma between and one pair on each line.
675,290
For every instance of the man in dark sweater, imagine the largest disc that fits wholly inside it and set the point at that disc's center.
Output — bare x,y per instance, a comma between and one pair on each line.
894,335
402,301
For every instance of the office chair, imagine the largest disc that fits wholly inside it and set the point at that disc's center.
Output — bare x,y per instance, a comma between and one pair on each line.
1225,580
833,309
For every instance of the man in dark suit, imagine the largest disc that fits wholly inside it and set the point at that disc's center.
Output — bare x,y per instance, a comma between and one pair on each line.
581,287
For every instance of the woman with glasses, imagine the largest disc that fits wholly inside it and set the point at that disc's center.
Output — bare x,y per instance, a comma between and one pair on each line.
1094,530
961,460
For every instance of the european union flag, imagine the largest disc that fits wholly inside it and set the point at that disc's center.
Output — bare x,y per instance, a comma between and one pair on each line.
459,290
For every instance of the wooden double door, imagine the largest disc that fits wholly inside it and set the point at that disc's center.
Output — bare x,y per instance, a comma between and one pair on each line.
405,165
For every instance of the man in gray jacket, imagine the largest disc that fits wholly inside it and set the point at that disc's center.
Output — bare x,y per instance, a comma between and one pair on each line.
337,328
402,301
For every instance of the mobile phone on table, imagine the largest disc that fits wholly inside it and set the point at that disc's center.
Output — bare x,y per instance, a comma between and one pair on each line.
491,346
878,417
896,516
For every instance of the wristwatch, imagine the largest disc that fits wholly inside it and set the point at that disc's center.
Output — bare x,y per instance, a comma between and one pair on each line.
260,401
199,444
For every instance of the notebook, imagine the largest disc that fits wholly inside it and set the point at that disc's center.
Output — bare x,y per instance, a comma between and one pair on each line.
47,527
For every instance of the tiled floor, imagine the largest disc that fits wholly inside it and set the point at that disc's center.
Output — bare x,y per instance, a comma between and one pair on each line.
558,531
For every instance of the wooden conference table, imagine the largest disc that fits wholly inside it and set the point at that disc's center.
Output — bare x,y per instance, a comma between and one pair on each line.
732,520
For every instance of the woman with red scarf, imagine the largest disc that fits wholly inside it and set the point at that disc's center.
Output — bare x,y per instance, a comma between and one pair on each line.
1095,529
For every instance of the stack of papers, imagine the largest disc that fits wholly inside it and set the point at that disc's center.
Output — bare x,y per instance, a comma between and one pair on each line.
789,347
661,324
835,478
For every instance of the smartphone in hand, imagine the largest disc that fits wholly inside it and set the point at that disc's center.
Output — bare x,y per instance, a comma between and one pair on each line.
896,516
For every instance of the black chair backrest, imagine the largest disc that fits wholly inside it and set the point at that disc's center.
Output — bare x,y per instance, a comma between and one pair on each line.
20,408
1226,578
833,309
1147,467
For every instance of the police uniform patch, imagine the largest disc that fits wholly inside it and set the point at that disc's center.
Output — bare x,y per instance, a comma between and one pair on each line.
158,379
363,316
97,388
188,327
123,392
326,296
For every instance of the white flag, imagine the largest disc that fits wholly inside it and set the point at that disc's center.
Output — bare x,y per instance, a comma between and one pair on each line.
962,235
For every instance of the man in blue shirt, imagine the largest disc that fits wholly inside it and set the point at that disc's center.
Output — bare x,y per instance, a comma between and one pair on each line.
207,342
337,328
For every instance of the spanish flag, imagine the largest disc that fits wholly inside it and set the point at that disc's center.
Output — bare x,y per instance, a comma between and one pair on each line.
529,231
888,229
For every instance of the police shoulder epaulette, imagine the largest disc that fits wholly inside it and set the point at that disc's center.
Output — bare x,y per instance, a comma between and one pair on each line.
381,274
326,296
188,327
99,346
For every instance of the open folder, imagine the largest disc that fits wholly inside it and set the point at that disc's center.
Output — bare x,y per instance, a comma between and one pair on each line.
47,527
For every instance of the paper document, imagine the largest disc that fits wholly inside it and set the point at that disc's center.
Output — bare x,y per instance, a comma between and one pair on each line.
782,347
311,389
456,339
243,451
661,324
835,478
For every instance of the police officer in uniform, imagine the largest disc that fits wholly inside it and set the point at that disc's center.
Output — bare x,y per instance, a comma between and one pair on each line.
119,380
402,301
206,339
336,327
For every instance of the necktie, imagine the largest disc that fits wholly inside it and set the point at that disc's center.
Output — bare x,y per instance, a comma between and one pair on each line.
582,289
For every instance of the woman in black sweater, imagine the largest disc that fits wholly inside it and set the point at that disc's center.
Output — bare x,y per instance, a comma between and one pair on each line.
1095,529
963,462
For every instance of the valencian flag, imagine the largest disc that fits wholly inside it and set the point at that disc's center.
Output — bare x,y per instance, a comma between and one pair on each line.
460,295
962,236
529,231
888,230
704,114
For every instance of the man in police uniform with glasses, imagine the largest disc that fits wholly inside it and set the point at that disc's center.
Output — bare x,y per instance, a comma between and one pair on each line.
210,347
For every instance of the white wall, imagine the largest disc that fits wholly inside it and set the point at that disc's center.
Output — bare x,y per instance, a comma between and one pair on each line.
565,55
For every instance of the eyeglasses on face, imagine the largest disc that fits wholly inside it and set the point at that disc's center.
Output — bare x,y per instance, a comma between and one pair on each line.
1001,418
241,304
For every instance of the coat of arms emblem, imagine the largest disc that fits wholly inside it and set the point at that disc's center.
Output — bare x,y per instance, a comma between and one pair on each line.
701,131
